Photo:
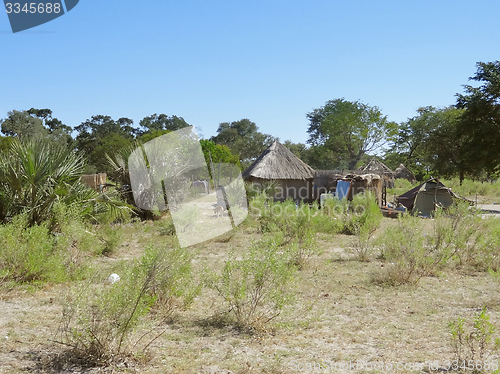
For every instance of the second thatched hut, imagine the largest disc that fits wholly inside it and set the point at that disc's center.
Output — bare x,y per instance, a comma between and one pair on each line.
404,173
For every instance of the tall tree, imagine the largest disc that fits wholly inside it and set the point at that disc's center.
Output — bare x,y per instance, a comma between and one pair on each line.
298,149
58,131
162,122
431,142
349,129
480,123
100,135
36,123
21,124
243,138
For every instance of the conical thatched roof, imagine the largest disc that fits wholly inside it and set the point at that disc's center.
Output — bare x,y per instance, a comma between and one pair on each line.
403,173
376,165
278,162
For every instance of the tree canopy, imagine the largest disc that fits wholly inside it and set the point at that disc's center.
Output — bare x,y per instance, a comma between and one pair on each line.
349,129
480,124
100,135
158,122
430,142
243,138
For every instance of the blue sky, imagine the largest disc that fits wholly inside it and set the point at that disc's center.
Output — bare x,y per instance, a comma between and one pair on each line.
270,61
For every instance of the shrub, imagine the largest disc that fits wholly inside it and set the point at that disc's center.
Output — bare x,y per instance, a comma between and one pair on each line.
489,242
474,345
255,288
30,254
295,228
165,226
99,321
37,174
454,238
111,237
405,251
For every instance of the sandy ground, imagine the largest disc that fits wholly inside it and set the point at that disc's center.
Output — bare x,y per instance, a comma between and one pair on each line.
489,210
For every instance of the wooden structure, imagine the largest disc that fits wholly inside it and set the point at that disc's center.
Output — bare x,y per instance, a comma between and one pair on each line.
95,181
325,181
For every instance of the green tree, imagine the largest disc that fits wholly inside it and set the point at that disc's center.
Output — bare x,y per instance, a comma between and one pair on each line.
431,143
150,135
21,124
243,138
162,122
58,131
219,153
349,129
298,149
480,124
35,123
101,135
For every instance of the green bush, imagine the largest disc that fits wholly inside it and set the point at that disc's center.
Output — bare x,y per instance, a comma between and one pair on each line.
37,174
30,254
99,320
294,225
416,247
255,288
404,250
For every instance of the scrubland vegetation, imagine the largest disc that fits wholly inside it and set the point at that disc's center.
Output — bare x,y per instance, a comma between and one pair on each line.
291,286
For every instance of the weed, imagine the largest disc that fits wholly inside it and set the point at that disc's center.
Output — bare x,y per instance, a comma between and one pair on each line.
474,345
99,321
256,287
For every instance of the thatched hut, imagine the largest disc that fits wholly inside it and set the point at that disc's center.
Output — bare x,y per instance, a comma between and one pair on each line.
403,173
277,163
380,168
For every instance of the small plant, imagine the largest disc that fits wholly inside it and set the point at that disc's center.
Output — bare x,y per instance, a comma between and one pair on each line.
165,226
474,345
255,288
111,238
104,322
294,227
365,226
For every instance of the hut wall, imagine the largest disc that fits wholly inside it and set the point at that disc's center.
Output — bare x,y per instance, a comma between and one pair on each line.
298,190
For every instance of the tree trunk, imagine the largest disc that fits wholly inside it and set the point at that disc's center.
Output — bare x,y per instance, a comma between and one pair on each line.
461,176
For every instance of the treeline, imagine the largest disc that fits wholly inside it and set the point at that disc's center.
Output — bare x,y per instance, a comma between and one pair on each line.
461,139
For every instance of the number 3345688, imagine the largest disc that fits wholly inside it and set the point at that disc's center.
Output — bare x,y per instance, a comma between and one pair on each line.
33,8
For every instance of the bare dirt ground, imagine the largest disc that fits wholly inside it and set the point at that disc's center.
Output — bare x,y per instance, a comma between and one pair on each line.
339,317
489,209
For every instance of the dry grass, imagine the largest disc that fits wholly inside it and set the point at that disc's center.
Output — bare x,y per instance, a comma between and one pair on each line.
339,315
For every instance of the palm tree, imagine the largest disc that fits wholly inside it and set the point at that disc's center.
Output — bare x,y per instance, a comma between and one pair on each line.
35,174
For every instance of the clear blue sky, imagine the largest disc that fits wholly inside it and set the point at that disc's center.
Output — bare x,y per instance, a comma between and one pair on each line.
270,61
